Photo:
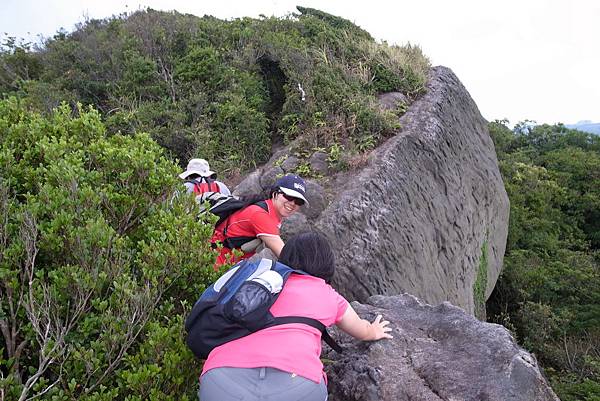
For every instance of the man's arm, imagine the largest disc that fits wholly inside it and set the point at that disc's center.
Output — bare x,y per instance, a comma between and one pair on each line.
223,188
273,242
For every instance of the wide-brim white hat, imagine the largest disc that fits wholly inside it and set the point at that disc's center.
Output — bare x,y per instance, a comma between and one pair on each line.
197,166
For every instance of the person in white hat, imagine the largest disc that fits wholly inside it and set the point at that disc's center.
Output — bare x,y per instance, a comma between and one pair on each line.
199,178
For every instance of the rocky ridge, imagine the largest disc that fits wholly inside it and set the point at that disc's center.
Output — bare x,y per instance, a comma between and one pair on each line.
438,353
426,215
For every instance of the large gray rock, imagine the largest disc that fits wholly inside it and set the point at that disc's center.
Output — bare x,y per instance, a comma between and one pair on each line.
295,224
270,176
289,164
437,353
391,100
420,215
428,215
249,186
315,194
318,163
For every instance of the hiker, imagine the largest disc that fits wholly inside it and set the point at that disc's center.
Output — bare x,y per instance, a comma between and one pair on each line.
199,178
258,224
283,362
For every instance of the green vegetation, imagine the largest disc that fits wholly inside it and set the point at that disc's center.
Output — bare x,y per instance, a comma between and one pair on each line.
549,291
98,264
222,90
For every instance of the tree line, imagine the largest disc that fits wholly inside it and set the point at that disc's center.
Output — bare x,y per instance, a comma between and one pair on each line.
548,293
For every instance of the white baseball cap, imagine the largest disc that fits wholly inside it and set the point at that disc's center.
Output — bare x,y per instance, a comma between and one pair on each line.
292,185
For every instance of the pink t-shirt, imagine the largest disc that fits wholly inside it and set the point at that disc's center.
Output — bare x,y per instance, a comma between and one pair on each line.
294,348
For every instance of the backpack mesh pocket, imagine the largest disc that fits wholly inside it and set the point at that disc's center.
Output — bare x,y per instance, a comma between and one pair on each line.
250,306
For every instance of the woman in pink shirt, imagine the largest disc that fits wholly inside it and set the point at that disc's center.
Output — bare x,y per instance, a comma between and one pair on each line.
283,362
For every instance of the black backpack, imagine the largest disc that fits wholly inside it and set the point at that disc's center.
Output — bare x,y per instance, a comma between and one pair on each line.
223,206
219,204
238,304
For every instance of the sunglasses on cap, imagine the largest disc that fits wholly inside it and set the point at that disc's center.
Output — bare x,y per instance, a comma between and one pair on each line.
297,201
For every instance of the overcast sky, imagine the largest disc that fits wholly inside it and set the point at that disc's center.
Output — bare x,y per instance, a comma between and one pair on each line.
519,59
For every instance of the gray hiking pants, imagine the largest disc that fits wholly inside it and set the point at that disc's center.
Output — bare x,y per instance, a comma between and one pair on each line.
264,384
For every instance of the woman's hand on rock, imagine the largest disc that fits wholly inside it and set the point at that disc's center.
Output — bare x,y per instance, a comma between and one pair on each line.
381,328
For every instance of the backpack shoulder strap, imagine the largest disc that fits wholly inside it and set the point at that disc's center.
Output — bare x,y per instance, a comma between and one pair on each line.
212,185
285,272
231,244
313,323
197,185
263,205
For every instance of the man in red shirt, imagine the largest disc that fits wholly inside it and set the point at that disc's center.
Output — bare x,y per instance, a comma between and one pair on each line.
260,221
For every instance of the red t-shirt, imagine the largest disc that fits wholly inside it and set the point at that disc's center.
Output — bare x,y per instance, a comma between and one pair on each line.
252,221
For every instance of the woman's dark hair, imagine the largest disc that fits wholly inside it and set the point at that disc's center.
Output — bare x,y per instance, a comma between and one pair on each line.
192,176
309,252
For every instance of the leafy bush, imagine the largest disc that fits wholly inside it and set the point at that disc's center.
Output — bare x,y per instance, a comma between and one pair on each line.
200,85
549,289
98,264
242,132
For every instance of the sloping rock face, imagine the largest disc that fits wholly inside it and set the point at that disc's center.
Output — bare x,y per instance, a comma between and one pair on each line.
437,353
428,211
428,215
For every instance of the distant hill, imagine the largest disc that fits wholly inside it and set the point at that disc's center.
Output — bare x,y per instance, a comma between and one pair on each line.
225,90
586,126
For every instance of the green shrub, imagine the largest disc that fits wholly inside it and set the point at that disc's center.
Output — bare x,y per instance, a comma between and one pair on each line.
201,66
572,388
384,80
549,289
99,263
240,136
180,77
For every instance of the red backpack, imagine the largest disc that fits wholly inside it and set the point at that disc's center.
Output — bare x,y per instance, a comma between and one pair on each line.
204,184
